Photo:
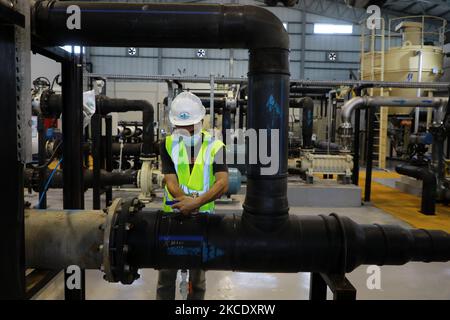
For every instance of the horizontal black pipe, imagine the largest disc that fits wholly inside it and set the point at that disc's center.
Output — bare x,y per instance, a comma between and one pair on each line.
325,145
52,105
106,178
144,239
429,185
310,90
328,244
128,149
219,103
160,25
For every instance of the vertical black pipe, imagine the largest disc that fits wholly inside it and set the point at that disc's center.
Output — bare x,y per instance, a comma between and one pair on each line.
42,157
355,173
226,121
96,122
333,119
429,185
369,154
12,252
267,111
72,121
356,142
241,116
109,158
307,122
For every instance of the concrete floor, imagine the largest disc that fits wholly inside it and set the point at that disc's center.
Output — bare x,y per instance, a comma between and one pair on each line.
411,281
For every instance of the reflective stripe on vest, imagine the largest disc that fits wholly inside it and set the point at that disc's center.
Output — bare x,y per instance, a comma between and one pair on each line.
201,178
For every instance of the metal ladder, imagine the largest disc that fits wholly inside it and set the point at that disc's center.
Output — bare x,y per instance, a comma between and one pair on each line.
376,36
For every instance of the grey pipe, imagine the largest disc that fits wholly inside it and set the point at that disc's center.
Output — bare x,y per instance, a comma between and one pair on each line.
346,130
298,82
369,102
56,238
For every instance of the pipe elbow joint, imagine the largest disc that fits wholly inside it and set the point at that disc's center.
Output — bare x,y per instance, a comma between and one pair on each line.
264,30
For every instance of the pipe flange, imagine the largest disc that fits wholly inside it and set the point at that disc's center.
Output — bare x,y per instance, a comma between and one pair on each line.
144,178
115,254
110,217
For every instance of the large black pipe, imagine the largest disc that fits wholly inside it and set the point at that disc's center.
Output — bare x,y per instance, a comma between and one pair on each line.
199,26
428,204
178,25
106,178
144,239
328,244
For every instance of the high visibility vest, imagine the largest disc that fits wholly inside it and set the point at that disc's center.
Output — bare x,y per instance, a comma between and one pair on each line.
201,179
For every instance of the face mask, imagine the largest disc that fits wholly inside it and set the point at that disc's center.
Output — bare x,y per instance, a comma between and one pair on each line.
190,141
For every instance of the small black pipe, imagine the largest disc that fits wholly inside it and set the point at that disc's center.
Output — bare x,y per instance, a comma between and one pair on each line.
307,106
325,145
127,177
96,123
219,103
429,184
107,105
226,123
369,154
356,130
109,156
356,140
310,90
129,149
333,119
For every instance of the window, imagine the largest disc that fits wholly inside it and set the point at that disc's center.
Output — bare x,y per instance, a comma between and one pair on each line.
76,49
325,28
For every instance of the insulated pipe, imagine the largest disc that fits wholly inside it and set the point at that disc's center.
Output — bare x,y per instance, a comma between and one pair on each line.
307,106
106,178
130,239
428,204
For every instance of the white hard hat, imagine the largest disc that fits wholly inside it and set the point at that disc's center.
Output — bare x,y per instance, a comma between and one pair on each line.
186,109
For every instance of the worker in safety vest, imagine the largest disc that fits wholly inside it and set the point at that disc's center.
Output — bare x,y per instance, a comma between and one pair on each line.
195,173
